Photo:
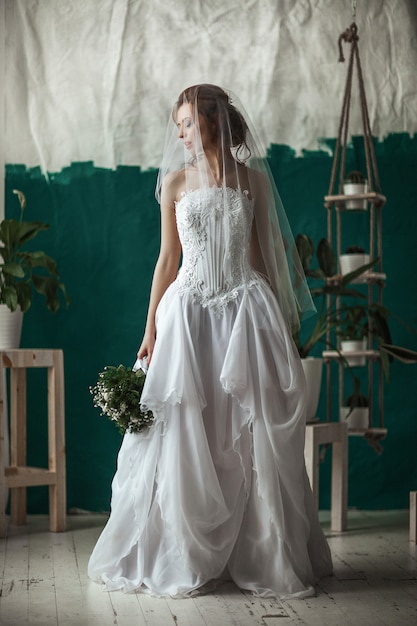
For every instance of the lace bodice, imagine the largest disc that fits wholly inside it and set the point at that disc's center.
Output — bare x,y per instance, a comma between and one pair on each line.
214,226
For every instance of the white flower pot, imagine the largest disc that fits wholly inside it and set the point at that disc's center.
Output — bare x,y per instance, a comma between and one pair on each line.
358,418
350,189
351,262
313,368
10,328
354,346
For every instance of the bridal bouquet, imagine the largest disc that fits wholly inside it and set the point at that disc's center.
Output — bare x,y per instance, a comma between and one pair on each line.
117,393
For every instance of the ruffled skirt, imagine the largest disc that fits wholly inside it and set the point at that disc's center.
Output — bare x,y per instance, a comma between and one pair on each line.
219,481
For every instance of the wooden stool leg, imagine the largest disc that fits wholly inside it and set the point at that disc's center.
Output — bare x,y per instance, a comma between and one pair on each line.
56,437
311,455
413,516
339,485
18,443
3,462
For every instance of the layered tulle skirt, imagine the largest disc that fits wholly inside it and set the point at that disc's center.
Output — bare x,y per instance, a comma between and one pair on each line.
218,483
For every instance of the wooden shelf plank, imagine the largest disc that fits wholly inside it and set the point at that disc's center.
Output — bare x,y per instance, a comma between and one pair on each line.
368,432
372,196
366,277
334,354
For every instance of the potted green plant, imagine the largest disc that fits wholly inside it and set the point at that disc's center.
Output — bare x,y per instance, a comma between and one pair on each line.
354,184
354,258
359,321
356,409
323,282
353,332
320,285
355,412
23,271
378,320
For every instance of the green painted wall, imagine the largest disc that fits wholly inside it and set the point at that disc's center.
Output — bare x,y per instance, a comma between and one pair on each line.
105,235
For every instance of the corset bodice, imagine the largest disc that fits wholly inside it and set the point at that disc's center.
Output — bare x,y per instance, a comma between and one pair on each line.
214,226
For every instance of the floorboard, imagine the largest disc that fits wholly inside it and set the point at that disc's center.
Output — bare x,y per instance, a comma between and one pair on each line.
41,591
44,582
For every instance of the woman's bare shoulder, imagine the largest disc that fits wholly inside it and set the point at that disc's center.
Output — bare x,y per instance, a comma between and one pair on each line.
257,178
173,185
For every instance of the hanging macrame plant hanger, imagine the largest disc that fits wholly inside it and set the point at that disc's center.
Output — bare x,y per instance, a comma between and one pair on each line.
373,196
350,35
335,203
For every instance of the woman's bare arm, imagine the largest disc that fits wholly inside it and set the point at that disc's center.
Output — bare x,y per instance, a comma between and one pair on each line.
166,267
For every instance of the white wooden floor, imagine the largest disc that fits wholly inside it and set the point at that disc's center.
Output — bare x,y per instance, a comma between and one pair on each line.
44,582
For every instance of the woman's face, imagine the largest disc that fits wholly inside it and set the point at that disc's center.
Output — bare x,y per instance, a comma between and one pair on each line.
187,130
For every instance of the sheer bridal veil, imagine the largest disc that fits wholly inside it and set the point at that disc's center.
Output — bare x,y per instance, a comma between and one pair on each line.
210,140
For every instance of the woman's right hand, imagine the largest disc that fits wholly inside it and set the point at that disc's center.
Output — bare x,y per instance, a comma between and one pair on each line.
147,346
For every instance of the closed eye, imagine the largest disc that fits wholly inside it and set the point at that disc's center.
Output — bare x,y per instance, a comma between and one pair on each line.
187,121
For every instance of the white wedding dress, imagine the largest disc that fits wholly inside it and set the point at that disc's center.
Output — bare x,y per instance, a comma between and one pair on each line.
218,483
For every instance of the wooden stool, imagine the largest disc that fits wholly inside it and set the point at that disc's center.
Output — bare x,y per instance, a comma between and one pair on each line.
413,516
336,434
18,476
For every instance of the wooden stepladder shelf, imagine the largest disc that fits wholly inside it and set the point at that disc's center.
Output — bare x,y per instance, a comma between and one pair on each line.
18,476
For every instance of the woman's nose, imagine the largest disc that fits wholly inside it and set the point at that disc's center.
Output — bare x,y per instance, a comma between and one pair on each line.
180,133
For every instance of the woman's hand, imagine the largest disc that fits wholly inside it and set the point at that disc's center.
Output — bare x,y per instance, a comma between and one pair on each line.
147,346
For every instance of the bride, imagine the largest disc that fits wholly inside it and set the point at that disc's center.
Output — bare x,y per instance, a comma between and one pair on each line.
218,483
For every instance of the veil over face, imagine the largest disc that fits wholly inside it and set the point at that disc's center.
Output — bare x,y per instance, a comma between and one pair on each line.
210,142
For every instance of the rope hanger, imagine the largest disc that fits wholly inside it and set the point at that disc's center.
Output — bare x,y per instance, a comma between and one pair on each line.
350,36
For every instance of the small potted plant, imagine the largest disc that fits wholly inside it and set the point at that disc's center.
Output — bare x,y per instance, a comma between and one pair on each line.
353,331
354,258
354,184
356,322
356,409
21,272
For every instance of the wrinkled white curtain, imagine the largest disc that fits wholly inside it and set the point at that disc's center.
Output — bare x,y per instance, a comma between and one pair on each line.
95,81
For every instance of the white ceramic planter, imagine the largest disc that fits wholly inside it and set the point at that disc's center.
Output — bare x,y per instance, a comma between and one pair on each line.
351,262
350,189
354,346
358,419
313,368
10,328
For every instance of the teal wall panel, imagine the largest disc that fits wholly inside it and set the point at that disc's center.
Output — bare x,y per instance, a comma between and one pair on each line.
105,235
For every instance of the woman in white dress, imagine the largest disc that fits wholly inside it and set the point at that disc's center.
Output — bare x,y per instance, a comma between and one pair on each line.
218,483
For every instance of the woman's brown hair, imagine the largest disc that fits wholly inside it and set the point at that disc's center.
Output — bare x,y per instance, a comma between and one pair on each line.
221,115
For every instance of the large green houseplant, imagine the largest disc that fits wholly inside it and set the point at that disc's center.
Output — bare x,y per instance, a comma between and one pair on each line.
353,319
22,271
320,286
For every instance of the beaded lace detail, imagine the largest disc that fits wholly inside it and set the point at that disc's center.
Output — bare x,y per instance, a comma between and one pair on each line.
214,226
